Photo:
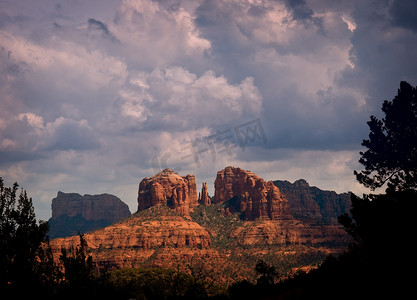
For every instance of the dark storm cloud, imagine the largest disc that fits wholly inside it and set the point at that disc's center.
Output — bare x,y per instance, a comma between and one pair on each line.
404,13
299,9
383,52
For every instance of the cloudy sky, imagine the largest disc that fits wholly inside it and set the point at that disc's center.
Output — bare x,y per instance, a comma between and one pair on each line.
96,95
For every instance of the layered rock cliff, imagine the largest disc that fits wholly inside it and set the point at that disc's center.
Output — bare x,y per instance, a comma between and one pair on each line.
140,238
251,195
72,213
290,232
167,187
313,204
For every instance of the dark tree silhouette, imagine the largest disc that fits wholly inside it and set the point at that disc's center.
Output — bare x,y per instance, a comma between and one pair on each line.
21,238
391,157
78,268
267,273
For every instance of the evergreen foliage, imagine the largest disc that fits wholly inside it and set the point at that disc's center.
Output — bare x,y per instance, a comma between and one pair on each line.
21,237
391,157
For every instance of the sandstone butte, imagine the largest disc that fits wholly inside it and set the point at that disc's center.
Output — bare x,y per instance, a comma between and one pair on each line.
167,187
253,196
170,229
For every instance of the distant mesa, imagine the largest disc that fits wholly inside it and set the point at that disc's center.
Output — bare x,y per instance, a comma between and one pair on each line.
167,187
254,197
73,213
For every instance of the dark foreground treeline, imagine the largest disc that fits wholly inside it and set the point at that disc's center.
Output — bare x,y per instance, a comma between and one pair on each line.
378,262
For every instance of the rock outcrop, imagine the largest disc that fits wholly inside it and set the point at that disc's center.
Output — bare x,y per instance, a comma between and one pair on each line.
141,238
290,232
72,213
251,195
203,197
167,187
313,204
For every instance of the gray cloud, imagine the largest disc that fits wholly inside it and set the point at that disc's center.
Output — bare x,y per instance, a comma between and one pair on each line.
71,135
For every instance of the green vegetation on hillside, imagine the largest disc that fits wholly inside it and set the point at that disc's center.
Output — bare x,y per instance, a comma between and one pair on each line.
154,212
219,222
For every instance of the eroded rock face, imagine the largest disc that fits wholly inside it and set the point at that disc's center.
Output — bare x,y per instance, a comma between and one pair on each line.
134,240
251,195
180,193
313,204
289,232
204,198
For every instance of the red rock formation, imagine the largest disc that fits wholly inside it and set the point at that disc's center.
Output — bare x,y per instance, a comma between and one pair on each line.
251,195
204,198
192,189
180,193
284,232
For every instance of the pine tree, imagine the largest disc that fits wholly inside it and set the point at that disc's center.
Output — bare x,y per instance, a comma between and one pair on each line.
391,157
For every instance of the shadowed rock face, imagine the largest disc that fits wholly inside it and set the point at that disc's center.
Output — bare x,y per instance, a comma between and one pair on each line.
90,207
72,213
313,204
180,193
251,195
